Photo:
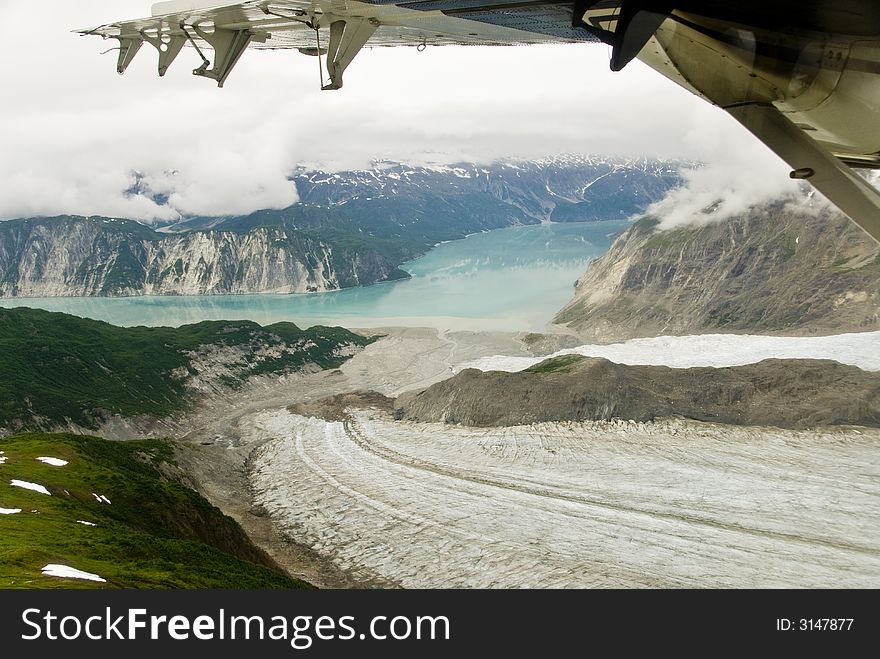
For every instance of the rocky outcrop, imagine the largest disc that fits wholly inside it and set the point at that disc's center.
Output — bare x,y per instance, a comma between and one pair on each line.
783,393
76,256
782,269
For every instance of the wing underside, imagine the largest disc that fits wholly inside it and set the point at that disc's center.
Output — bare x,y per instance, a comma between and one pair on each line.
340,28
292,23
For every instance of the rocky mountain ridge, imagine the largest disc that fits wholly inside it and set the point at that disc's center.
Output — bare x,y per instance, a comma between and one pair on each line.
573,188
780,269
80,256
348,229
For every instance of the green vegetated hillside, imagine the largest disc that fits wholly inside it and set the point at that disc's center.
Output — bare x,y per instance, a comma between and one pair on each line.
397,227
57,369
117,511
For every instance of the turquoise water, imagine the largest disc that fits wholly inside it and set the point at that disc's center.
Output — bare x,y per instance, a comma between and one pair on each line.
510,279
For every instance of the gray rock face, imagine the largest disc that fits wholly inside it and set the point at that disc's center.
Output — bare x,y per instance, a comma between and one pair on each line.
778,270
783,393
75,256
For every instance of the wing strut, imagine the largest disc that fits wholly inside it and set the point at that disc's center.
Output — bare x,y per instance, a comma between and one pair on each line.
347,38
809,160
128,48
169,47
228,45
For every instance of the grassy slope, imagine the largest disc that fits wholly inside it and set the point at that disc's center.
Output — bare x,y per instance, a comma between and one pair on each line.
55,367
562,364
156,533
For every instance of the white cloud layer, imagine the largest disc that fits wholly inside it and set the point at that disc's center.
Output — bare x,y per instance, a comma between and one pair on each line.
737,176
73,133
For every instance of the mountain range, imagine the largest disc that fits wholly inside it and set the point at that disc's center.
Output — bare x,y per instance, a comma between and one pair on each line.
348,229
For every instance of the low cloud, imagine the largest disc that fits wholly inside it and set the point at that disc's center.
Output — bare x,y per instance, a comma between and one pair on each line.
79,139
738,174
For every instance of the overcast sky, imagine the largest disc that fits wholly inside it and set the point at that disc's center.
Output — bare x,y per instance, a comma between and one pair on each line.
72,131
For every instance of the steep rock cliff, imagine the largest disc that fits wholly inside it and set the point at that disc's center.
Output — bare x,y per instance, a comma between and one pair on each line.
75,256
781,269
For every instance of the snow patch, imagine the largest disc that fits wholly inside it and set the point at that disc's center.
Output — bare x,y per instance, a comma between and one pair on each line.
100,498
9,511
82,521
2,460
29,486
55,462
67,572
715,350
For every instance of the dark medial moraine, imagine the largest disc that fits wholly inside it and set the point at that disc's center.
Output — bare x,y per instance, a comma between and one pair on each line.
797,393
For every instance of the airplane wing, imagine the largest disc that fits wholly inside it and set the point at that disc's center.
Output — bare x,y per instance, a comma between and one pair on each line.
318,27
802,75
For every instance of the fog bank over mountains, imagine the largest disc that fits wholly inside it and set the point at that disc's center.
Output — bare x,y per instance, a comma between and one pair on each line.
75,139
